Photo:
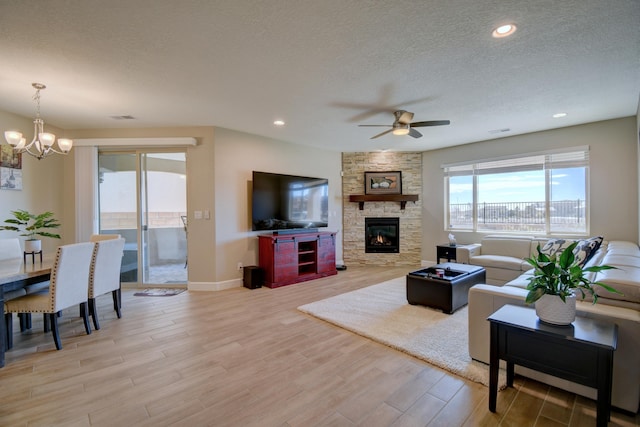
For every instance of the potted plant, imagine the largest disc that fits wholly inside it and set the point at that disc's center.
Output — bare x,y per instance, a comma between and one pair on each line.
556,281
32,226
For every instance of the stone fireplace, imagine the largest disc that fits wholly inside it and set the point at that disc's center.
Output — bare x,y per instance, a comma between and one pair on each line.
382,235
409,232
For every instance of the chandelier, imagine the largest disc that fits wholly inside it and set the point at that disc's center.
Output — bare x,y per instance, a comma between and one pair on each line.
42,144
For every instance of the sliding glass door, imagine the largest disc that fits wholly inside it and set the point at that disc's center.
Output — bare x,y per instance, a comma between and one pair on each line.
142,196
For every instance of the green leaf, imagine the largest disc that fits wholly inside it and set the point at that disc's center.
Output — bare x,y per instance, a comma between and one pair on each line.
534,295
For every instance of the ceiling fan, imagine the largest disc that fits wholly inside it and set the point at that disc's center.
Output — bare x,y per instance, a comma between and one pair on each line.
403,125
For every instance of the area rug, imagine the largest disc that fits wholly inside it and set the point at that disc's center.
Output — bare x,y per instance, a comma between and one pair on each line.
159,292
381,313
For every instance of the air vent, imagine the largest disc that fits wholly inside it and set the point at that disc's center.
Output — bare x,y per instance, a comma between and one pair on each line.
123,117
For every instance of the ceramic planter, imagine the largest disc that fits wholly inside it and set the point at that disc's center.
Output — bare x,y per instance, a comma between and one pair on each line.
32,246
551,309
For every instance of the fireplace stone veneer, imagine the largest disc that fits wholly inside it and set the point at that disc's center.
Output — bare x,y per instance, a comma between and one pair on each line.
382,235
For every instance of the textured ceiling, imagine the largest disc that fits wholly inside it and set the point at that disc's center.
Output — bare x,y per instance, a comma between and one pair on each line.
323,66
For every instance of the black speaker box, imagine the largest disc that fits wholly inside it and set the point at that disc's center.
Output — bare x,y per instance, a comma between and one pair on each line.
253,277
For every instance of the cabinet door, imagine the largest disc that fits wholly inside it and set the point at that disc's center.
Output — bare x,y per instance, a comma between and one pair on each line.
285,260
326,254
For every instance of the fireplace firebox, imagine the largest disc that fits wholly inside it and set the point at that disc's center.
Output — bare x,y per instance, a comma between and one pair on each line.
382,235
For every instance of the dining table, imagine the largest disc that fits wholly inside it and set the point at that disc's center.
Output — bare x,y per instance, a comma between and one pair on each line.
16,274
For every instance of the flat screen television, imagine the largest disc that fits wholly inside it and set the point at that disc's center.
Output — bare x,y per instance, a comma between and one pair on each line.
281,202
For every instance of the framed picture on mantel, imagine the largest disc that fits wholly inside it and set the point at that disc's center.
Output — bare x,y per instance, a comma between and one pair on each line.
383,182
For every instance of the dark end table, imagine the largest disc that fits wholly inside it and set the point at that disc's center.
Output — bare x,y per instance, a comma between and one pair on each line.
581,352
446,251
447,293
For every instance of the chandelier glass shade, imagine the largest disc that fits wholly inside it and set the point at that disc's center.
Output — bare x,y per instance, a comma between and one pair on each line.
43,143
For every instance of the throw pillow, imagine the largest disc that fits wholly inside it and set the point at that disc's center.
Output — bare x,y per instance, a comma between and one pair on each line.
552,246
585,249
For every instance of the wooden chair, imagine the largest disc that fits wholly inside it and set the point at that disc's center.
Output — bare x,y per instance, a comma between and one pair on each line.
104,275
67,287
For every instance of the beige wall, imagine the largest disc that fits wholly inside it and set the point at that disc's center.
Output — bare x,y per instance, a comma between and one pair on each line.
43,184
219,174
613,177
638,156
218,180
237,155
199,196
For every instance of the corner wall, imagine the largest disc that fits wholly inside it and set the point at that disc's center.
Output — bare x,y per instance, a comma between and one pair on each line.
237,155
613,174
219,173
354,165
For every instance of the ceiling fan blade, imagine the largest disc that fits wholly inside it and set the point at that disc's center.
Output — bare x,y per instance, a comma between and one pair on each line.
414,133
374,125
380,134
405,118
430,123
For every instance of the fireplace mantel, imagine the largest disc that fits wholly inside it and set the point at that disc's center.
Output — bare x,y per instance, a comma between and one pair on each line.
402,198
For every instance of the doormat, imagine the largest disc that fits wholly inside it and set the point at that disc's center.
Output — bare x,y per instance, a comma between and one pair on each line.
159,292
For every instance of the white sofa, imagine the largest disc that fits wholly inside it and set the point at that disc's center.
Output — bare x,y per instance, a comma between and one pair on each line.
503,257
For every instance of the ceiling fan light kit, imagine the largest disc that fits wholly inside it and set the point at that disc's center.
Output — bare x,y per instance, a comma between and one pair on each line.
400,129
402,125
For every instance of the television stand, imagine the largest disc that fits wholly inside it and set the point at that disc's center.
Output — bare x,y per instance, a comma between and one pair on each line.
294,231
293,258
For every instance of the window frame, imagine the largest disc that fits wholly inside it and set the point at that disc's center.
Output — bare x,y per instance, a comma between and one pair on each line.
546,161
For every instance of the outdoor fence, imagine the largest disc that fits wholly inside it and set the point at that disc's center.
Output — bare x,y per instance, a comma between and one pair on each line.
567,213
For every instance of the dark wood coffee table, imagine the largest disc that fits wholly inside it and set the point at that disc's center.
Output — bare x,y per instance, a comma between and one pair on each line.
447,293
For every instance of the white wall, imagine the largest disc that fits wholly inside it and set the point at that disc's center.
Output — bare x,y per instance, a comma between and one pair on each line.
613,177
237,154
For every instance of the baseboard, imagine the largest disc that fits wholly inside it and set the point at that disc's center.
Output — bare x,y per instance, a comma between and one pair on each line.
214,286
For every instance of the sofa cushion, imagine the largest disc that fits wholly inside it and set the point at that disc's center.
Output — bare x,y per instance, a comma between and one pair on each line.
620,260
618,247
624,279
553,246
522,281
509,246
500,261
585,249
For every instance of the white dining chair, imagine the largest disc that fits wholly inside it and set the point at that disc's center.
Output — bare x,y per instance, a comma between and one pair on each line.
68,286
104,275
10,249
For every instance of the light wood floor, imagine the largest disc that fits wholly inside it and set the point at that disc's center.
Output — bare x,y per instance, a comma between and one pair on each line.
248,358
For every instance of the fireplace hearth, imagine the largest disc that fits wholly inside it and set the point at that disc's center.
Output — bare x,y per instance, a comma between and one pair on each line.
382,235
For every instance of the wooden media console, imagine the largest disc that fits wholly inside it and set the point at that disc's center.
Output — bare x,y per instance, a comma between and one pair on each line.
293,258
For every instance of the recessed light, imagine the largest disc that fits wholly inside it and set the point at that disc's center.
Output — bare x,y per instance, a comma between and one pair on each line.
279,123
504,30
559,115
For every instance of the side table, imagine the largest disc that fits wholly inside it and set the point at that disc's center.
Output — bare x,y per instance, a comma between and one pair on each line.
581,352
446,251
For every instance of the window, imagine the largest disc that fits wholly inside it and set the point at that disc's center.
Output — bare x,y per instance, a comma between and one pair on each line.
542,193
